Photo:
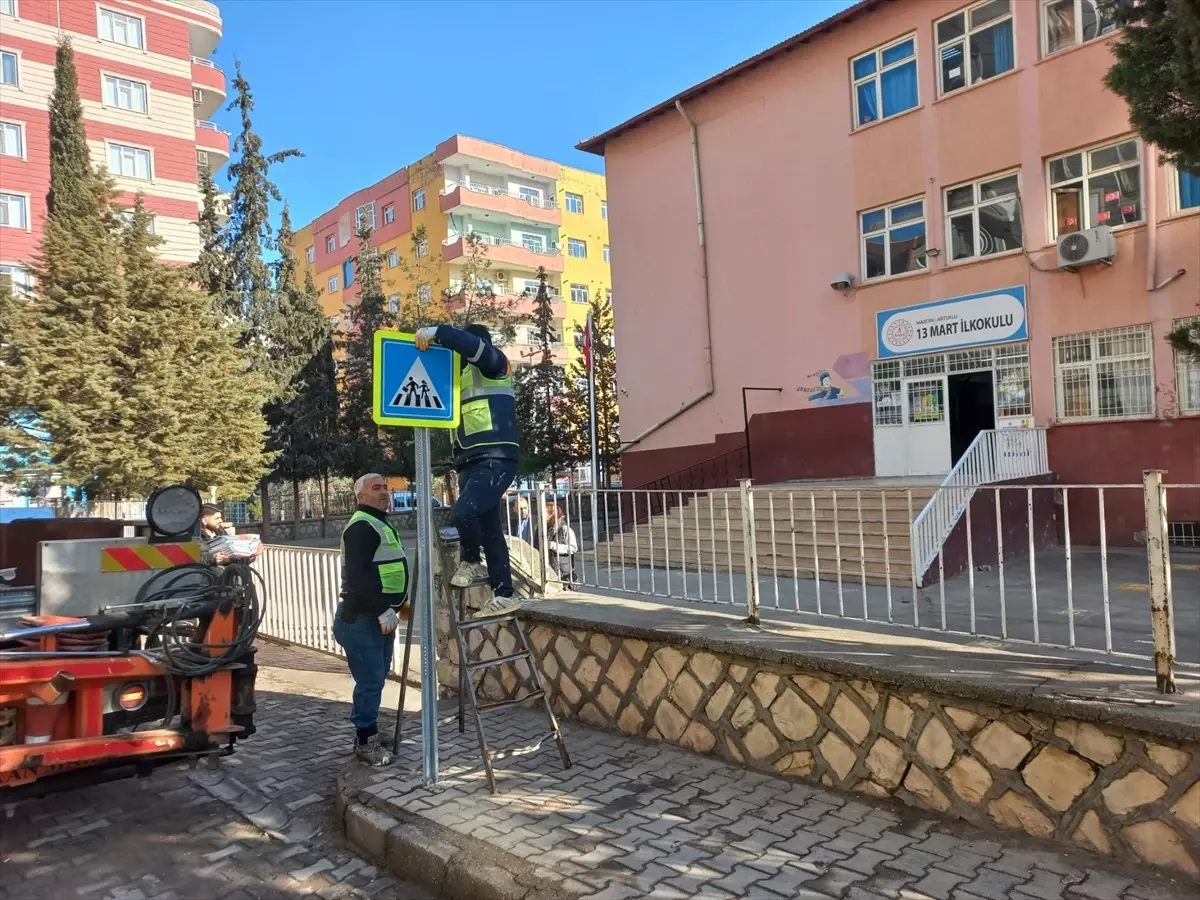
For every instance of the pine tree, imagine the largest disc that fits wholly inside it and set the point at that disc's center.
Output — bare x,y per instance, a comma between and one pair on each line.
474,299
211,271
303,452
366,447
23,448
252,296
541,420
608,438
67,356
1157,72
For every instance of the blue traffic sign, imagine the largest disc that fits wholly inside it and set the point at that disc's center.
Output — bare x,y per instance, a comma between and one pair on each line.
414,388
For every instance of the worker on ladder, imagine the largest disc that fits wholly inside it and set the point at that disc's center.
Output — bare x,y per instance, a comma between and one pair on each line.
486,453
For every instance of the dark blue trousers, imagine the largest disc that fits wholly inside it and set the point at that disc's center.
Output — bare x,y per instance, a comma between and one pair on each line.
477,515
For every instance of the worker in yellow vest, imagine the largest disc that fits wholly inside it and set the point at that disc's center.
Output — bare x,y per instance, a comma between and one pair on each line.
374,594
486,454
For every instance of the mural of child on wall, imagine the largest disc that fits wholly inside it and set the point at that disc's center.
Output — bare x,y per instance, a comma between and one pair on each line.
848,380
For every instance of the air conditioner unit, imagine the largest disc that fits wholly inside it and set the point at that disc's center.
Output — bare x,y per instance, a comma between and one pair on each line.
1091,245
501,276
197,95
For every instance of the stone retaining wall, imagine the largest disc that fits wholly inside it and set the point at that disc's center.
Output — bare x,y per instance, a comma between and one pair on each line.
1114,791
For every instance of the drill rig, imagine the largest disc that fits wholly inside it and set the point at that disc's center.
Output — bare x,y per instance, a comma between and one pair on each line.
163,676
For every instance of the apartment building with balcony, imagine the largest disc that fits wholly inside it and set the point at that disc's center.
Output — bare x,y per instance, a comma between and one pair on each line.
882,195
147,85
527,213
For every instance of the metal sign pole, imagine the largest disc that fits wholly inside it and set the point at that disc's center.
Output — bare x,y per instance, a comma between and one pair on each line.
424,499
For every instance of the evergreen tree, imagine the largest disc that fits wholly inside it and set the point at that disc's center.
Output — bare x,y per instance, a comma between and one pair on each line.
252,296
211,271
419,305
608,438
473,299
67,353
1157,72
303,453
367,448
541,420
22,445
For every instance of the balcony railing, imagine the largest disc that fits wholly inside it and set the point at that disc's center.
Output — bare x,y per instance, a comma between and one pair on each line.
536,202
504,290
211,126
493,241
207,63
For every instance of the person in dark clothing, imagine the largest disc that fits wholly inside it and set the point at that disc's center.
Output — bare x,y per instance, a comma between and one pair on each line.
374,593
486,454
215,547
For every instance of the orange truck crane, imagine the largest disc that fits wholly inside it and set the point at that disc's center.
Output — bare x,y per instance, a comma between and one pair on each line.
161,676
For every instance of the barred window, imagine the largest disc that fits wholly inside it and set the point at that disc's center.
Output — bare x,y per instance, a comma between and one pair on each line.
1014,387
1187,373
888,402
1104,374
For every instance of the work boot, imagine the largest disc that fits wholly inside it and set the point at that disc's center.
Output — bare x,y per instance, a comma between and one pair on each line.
497,606
373,753
468,574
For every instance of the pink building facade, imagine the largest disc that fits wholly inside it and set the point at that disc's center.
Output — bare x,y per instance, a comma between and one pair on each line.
929,153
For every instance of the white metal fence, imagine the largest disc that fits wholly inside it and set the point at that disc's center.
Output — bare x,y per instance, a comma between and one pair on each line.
1064,566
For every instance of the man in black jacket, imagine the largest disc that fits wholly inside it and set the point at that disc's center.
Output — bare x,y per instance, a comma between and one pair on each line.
486,454
374,588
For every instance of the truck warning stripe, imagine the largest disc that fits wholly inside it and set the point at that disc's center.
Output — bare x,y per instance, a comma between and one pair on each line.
145,557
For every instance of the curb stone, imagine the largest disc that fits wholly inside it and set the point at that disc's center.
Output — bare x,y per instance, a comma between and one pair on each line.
451,865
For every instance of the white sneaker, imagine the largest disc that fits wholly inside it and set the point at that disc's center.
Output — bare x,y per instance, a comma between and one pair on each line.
498,606
468,574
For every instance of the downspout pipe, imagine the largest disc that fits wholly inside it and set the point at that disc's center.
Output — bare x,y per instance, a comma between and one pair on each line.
1152,282
708,353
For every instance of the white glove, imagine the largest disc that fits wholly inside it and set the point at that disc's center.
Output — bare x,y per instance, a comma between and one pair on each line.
389,621
425,337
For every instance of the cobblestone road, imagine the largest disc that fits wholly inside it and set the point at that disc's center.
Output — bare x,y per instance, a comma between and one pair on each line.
170,838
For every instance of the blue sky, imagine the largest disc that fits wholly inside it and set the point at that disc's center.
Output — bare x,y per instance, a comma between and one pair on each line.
363,87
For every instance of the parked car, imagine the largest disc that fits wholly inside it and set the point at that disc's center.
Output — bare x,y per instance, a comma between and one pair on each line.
406,501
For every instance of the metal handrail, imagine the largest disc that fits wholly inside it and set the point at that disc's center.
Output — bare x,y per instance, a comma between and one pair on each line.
207,63
994,455
211,126
538,203
493,241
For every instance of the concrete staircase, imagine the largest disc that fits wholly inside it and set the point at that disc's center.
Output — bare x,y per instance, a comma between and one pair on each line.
795,534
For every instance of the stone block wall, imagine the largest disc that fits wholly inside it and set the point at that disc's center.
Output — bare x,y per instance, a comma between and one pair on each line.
1113,791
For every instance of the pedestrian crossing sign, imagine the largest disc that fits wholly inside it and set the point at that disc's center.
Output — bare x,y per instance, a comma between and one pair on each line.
414,388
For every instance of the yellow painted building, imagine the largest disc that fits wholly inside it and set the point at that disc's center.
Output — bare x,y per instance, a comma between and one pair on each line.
528,213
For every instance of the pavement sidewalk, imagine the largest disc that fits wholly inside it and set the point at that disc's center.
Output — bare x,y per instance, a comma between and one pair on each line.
633,819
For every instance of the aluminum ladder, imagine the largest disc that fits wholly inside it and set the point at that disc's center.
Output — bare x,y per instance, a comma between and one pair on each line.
467,686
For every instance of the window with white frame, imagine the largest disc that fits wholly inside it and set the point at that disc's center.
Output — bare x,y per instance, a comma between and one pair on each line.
975,44
1014,385
1104,374
124,93
885,81
1187,189
604,209
422,249
424,293
577,248
130,162
14,211
888,402
335,323
12,139
607,253
574,203
389,214
310,255
18,279
364,217
1100,186
333,283
8,7
983,217
532,196
579,293
392,259
533,242
893,239
419,200
126,216
122,29
393,303
330,244
1066,23
8,67
1187,371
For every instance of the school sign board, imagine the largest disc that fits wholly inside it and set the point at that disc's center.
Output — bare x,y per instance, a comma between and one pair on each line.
990,317
414,388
